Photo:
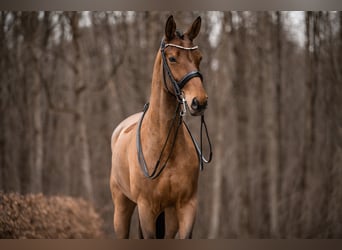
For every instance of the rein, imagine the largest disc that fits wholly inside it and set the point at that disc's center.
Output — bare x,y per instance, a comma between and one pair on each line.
199,148
177,85
141,157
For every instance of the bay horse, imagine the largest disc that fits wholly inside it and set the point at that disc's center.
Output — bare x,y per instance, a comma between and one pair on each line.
154,156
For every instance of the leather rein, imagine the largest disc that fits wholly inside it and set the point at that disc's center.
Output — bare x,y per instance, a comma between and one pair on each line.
177,87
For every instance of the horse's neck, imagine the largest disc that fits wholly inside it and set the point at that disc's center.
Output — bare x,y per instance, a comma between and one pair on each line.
162,104
162,109
162,101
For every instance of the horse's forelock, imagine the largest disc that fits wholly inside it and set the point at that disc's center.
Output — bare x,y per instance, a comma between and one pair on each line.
180,34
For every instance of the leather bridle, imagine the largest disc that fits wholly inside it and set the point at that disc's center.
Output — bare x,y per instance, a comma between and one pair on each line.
177,85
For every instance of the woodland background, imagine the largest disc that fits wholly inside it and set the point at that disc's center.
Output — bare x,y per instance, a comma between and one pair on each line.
68,78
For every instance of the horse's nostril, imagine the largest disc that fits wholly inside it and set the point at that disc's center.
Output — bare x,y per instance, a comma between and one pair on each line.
205,104
195,104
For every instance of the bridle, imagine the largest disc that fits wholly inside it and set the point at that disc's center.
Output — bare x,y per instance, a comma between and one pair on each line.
177,87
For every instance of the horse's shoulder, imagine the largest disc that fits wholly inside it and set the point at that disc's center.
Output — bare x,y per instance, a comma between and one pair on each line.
126,125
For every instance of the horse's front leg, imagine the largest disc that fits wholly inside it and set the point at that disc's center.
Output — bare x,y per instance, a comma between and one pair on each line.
186,213
123,210
147,220
171,223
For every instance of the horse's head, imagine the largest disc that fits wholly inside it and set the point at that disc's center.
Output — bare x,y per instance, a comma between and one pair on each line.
181,60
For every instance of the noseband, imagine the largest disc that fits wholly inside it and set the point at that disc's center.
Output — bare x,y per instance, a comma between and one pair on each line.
177,85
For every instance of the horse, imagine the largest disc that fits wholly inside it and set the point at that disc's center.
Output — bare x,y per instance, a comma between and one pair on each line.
154,156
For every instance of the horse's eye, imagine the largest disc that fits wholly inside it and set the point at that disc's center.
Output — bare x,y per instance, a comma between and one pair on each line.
172,59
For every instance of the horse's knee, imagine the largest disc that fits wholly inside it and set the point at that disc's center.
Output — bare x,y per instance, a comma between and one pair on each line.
186,217
123,210
121,228
147,222
171,223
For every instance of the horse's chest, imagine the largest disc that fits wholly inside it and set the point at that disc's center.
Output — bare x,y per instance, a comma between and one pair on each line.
172,188
176,183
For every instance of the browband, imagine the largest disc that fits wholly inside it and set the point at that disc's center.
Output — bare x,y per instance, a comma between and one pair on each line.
179,47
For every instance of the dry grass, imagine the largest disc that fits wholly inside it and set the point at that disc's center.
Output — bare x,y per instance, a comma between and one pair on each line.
38,216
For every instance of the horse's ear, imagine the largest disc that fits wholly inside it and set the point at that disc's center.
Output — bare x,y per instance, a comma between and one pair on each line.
194,29
170,28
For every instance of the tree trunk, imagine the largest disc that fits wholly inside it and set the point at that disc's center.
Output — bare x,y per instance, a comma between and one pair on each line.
37,168
220,153
241,95
217,184
86,190
276,168
309,137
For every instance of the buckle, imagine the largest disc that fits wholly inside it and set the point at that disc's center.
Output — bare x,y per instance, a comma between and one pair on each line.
183,102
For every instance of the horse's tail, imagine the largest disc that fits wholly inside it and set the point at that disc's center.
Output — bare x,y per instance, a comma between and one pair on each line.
160,226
